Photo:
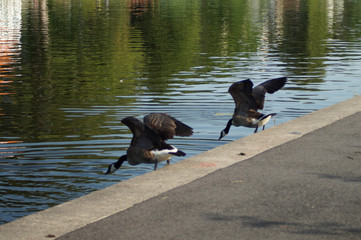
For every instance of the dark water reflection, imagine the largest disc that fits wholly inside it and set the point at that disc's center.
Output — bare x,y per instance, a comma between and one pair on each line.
71,70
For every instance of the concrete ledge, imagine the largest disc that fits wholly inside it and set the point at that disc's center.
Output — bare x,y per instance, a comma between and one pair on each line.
66,217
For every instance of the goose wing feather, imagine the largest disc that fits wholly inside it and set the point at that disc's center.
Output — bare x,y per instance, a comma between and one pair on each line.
269,86
145,142
167,126
241,93
182,129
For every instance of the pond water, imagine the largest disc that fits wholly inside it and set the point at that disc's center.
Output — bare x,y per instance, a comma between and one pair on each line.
70,70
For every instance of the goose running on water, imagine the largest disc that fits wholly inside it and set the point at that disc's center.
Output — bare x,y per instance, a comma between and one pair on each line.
148,143
248,101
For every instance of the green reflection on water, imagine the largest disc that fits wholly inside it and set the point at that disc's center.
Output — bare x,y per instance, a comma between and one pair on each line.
78,66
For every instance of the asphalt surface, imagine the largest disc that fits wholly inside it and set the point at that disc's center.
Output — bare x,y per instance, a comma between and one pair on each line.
307,188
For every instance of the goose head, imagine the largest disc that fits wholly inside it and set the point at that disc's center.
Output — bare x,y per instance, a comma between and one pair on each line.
225,131
115,166
223,134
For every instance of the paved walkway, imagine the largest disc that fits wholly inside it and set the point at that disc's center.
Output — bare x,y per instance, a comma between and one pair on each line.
309,188
298,180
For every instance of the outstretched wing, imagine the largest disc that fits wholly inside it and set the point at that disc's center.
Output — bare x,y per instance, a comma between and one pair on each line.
144,137
182,129
167,126
269,86
241,93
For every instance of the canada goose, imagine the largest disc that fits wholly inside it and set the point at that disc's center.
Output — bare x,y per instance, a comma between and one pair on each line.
248,101
148,143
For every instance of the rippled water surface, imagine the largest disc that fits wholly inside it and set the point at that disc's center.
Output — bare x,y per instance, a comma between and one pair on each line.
71,70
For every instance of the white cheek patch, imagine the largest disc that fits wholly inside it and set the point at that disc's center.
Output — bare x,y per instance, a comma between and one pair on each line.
113,169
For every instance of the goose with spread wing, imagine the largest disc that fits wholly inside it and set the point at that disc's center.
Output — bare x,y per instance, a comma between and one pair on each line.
148,144
248,101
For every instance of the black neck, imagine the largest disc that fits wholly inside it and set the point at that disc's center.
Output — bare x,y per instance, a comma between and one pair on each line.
119,163
229,124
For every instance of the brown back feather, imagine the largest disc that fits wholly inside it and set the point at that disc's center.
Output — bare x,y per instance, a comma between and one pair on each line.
167,126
